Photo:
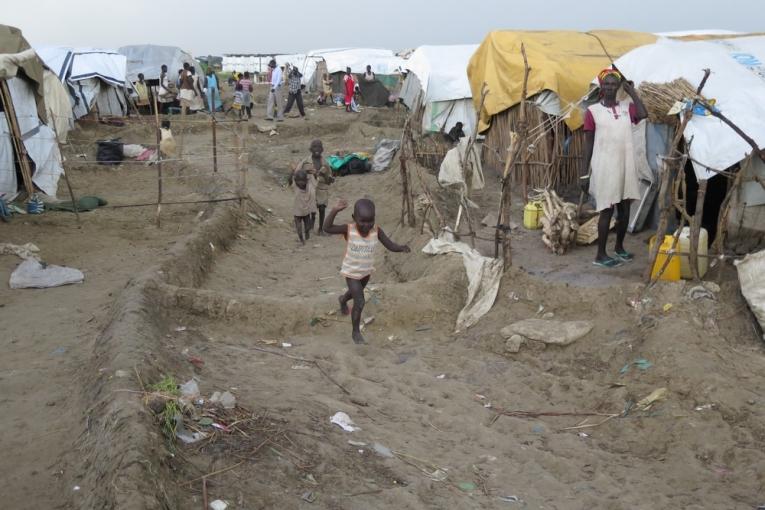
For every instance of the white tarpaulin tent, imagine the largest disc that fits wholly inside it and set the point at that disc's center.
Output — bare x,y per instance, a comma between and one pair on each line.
149,58
97,79
439,74
337,60
39,139
737,83
259,64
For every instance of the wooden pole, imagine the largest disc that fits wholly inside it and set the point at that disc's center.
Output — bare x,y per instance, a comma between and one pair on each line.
242,145
21,151
667,179
63,170
696,229
524,126
214,134
159,168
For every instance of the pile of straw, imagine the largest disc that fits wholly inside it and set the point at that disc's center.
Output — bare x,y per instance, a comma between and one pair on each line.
660,97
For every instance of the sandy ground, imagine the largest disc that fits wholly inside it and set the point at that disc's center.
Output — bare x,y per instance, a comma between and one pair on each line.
431,397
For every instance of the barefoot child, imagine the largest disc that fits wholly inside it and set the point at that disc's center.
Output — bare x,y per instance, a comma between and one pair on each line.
323,180
361,238
304,208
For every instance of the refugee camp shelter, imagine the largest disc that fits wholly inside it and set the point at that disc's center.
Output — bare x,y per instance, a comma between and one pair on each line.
562,65
437,80
96,79
29,152
385,64
258,62
149,58
737,85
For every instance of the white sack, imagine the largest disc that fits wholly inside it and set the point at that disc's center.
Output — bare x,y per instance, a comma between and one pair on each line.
32,274
751,276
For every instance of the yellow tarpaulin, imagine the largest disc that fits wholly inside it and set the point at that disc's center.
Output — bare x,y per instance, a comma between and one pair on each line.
564,62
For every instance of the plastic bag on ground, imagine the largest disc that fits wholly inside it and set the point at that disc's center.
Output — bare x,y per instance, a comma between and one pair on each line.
32,274
384,153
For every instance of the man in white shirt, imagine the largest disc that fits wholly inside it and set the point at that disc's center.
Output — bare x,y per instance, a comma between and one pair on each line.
275,95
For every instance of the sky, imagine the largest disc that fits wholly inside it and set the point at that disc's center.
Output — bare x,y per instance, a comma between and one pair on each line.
271,27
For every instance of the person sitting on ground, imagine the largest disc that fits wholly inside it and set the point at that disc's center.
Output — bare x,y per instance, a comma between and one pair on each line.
609,157
304,206
295,89
361,238
456,132
369,75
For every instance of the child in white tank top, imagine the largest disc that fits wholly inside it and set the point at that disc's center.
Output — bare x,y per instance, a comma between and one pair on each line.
361,239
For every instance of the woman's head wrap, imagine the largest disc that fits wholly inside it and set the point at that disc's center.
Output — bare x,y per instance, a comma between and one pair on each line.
608,72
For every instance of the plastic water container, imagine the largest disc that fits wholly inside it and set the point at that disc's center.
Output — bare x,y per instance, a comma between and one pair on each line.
672,271
684,246
532,214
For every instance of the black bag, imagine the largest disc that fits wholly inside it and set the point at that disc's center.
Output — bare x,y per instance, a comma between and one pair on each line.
109,152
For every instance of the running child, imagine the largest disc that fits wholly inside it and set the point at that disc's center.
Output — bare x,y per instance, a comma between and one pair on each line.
304,207
361,238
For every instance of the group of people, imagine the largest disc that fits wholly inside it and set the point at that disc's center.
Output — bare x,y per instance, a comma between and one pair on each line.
351,89
311,180
189,91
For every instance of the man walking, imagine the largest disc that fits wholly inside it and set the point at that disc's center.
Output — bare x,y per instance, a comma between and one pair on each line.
275,95
295,93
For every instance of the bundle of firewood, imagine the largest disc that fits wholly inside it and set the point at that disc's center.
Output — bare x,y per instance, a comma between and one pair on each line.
559,221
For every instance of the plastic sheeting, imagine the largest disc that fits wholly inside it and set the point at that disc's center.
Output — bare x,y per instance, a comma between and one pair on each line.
439,74
149,58
337,60
737,83
563,62
58,106
450,172
751,276
96,78
484,275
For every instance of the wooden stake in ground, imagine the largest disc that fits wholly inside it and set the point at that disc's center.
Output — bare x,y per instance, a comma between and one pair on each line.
696,229
407,204
667,180
18,143
159,168
242,153
63,170
214,135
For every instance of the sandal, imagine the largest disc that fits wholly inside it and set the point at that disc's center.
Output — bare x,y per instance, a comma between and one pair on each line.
625,256
607,262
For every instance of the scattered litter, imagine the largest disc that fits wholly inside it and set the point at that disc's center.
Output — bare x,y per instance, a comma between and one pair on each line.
514,343
549,331
190,389
640,363
212,246
24,251
37,275
300,367
121,373
442,376
255,217
538,429
196,361
205,421
510,499
700,292
655,396
286,344
487,405
226,399
76,488
268,342
180,328
548,315
367,321
310,479
383,451
356,443
218,504
308,496
583,435
667,307
59,350
189,437
392,338
423,328
439,475
467,486
344,422
703,407
273,133
478,396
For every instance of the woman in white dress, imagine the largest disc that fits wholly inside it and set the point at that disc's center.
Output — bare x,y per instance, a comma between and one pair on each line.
609,152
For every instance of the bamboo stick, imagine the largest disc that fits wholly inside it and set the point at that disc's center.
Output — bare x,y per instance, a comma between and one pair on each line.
63,170
696,228
159,168
21,151
213,121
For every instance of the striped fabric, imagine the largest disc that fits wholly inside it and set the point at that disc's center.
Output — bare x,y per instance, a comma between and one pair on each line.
359,253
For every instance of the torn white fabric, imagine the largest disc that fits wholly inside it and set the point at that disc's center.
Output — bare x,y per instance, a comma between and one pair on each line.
33,274
484,275
751,276
450,172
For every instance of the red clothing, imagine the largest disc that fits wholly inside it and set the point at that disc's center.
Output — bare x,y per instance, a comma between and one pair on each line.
350,86
589,120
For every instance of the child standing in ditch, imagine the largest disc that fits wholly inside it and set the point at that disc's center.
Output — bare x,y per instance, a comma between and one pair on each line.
304,206
361,237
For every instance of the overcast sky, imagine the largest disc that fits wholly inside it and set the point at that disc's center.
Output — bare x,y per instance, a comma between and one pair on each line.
272,26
